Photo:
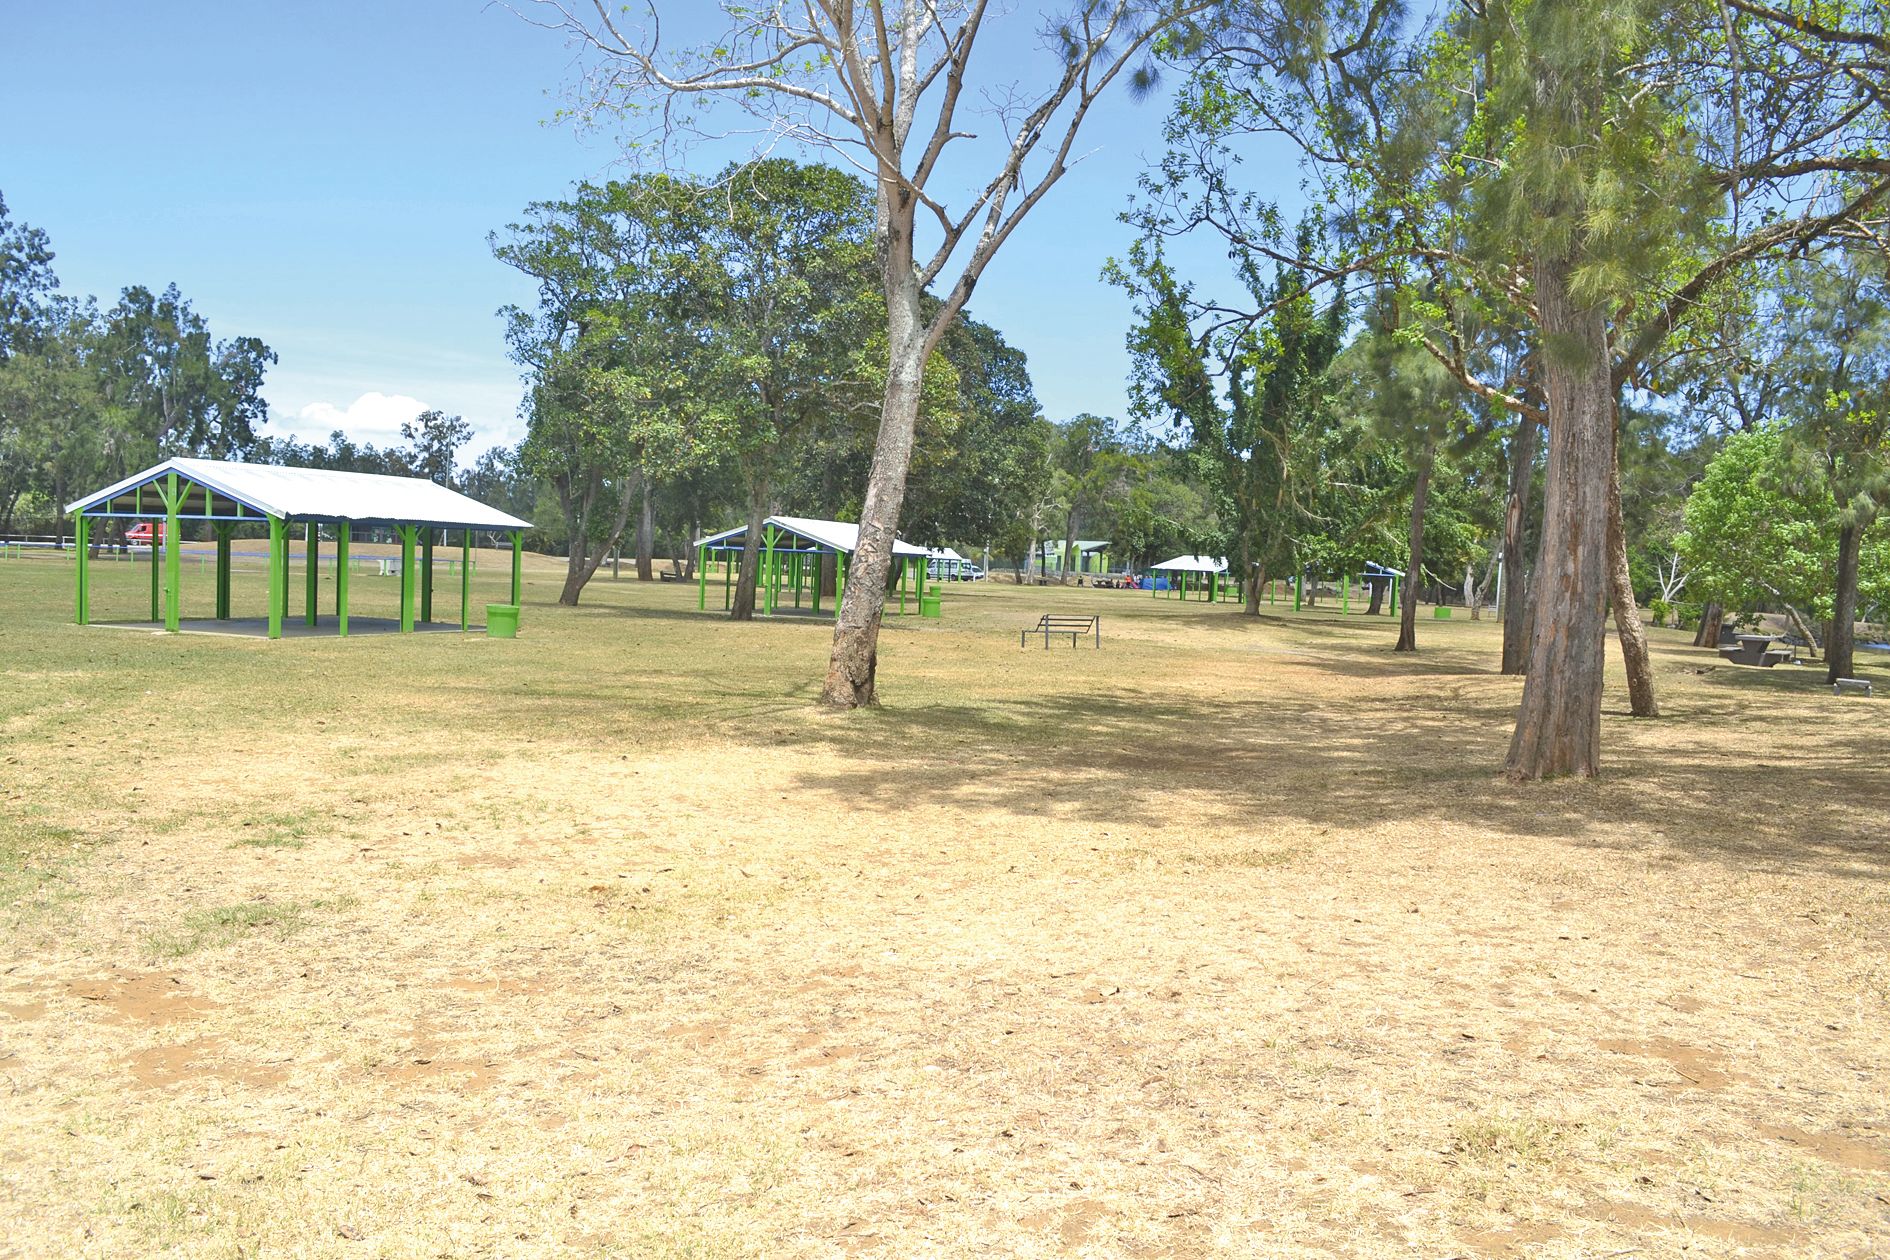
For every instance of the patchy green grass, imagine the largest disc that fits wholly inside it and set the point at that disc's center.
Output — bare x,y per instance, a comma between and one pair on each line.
225,925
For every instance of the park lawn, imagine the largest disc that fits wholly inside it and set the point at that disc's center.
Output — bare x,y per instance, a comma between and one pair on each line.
1224,939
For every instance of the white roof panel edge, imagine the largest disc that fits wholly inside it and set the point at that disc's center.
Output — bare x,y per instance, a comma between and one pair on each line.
322,494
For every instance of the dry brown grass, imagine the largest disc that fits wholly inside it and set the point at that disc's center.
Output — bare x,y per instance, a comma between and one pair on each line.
1226,939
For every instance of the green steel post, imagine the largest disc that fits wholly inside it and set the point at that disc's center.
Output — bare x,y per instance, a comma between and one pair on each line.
767,577
820,574
1345,593
518,560
426,577
728,582
82,537
311,580
918,568
1394,596
173,577
277,573
223,571
157,613
1298,583
465,580
344,538
702,579
839,580
407,541
798,560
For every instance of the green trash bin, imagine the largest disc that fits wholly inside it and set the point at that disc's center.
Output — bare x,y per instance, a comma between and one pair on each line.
1441,612
929,606
502,621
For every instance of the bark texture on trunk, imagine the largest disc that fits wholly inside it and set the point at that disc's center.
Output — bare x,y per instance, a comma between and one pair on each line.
743,608
1558,726
1522,477
855,660
1711,618
1841,642
1378,599
1627,617
646,536
1255,575
1407,615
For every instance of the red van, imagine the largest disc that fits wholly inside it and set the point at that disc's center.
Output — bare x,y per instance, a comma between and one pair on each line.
144,532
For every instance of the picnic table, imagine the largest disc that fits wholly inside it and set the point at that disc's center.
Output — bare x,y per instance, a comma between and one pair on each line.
1754,649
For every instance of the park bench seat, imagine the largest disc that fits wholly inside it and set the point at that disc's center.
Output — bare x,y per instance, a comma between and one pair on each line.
1778,656
1851,687
1063,623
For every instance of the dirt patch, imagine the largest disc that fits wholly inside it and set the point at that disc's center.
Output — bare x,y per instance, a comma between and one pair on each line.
1520,1239
1073,1222
1634,1216
1839,1148
197,1060
1697,1068
142,998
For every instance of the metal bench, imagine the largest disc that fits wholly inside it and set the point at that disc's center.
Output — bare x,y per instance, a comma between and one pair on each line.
1851,687
1063,623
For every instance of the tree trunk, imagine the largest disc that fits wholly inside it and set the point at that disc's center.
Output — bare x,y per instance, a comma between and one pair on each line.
689,550
1069,547
855,660
1255,575
1627,617
1378,598
646,536
581,561
1841,642
1522,478
1407,616
1558,727
1711,618
746,584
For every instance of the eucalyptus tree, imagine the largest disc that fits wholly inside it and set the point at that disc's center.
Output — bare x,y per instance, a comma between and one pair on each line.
779,288
892,87
609,355
1250,394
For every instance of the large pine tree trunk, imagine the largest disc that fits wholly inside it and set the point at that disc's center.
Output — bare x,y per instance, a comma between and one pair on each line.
1407,616
1522,477
1558,727
746,583
1841,642
855,659
646,536
1627,616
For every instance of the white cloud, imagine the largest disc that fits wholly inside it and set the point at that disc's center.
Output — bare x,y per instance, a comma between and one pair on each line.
373,417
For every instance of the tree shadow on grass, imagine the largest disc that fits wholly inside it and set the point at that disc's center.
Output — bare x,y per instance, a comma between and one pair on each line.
1098,757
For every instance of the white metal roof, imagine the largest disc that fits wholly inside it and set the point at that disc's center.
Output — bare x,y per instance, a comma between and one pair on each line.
841,536
943,553
321,494
1193,564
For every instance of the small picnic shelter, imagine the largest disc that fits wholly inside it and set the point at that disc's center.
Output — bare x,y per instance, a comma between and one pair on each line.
228,496
1202,573
791,555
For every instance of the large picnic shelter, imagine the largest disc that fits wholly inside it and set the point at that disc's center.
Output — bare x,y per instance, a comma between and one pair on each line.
791,555
229,496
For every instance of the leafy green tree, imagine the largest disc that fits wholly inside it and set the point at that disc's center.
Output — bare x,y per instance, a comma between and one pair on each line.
1756,534
610,354
434,439
1251,397
27,283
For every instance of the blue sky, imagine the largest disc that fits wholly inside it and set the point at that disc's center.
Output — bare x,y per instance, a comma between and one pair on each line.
324,176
